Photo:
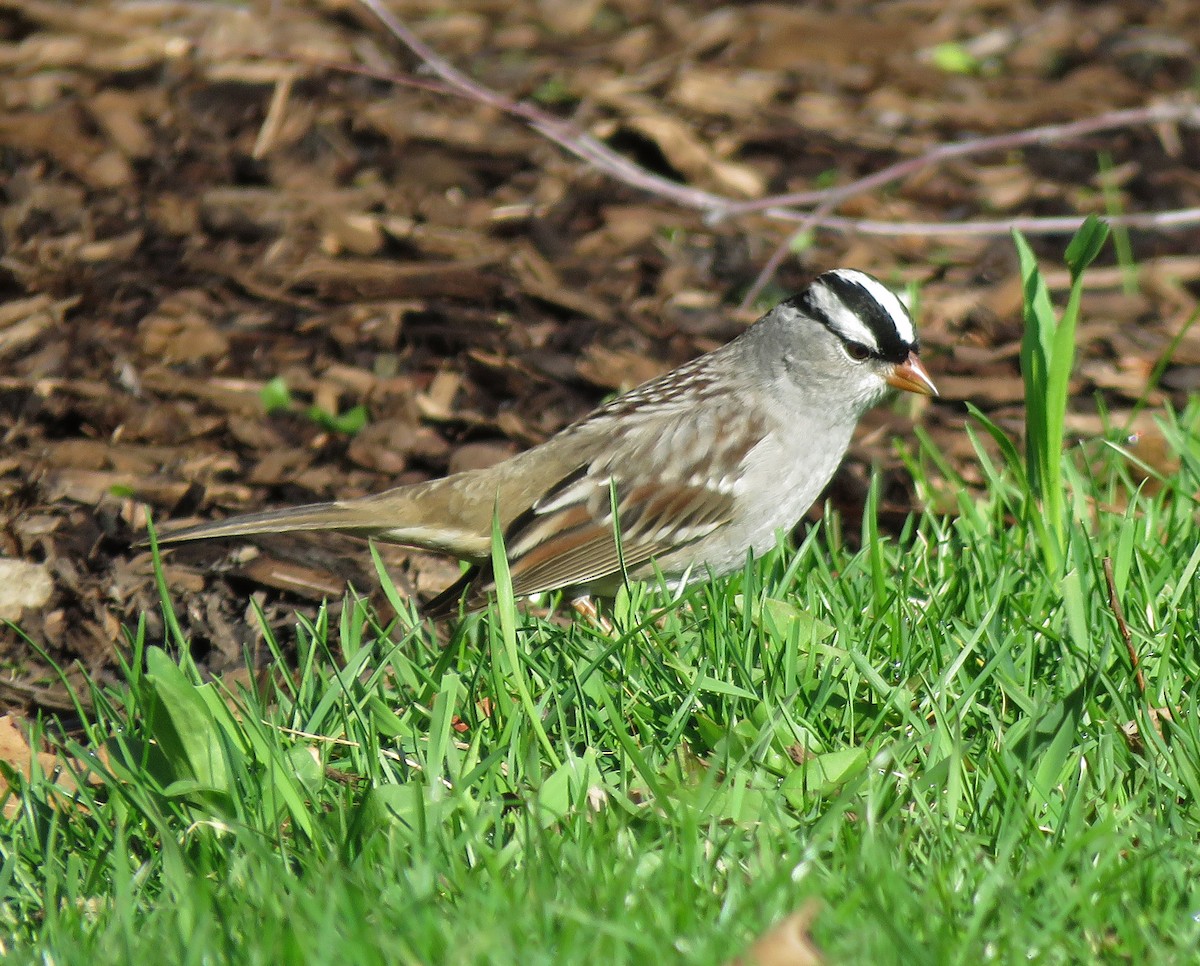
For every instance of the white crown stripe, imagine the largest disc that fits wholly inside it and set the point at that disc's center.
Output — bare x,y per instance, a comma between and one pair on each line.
888,300
846,323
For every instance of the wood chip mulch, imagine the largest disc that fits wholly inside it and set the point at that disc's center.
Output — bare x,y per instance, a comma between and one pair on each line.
200,200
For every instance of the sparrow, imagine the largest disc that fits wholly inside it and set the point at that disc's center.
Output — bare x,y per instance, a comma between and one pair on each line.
703,465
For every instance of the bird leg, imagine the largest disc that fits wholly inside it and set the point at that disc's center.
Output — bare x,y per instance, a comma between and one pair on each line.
586,608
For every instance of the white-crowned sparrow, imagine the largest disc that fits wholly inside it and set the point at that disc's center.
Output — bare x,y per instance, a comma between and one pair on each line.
706,462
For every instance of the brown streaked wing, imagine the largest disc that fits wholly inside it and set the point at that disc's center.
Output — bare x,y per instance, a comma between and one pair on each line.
668,494
572,545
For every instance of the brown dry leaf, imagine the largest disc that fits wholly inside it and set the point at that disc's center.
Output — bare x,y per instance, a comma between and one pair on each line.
1132,731
180,330
625,227
538,279
1127,376
177,578
1187,351
22,321
121,115
280,467
382,446
60,134
295,578
617,369
687,153
1005,186
383,277
1033,102
982,389
1152,449
240,396
355,232
437,402
117,248
90,487
787,943
246,209
481,455
828,114
568,17
16,753
396,119
693,158
452,242
561,295
729,92
351,379
831,45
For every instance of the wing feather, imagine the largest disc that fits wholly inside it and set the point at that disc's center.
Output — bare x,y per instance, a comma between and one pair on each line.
574,546
673,467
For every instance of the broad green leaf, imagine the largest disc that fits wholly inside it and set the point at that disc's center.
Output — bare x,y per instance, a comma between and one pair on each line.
275,395
566,790
184,725
823,774
350,422
1089,239
784,618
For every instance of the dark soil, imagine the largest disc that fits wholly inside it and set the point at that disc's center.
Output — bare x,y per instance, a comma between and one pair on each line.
197,199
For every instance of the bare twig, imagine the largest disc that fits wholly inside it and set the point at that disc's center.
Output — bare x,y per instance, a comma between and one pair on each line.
828,199
565,135
820,217
789,206
1047,134
1062,225
1114,602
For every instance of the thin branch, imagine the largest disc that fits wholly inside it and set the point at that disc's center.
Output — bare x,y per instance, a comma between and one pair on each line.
789,206
565,135
1047,134
828,199
1060,225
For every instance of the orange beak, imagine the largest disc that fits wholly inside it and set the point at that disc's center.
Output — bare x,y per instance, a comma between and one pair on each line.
911,376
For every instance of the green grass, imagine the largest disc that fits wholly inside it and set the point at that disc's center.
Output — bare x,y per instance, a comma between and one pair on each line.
927,736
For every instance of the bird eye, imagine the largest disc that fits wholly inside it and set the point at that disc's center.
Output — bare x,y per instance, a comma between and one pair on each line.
857,351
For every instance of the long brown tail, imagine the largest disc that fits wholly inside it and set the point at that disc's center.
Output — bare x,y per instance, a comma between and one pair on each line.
314,516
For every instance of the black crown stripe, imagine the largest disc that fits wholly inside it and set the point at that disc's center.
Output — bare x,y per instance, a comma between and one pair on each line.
859,301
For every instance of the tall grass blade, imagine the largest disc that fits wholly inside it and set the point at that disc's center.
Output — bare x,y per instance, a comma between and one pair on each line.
1047,357
506,611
